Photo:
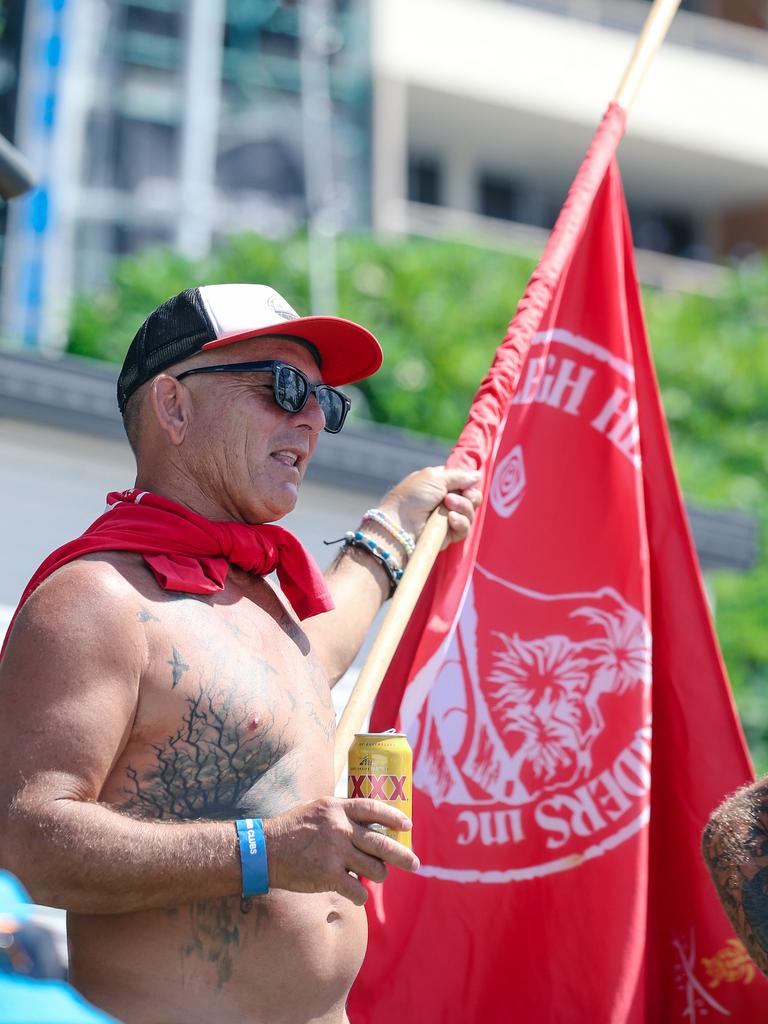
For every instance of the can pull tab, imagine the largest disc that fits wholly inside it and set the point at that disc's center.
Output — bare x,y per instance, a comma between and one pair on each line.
388,732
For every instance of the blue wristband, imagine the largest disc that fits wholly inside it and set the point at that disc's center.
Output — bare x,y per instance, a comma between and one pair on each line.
253,856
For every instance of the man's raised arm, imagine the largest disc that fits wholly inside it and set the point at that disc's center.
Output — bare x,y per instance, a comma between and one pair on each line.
69,694
735,847
359,583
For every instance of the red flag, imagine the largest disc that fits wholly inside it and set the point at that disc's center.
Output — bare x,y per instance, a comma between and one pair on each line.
563,692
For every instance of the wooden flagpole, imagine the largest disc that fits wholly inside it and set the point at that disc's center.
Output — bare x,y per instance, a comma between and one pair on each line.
432,537
392,628
652,36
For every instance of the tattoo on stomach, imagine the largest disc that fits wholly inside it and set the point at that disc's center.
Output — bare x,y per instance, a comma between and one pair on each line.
215,935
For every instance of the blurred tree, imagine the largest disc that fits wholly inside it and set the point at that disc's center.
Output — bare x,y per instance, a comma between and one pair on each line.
712,362
441,309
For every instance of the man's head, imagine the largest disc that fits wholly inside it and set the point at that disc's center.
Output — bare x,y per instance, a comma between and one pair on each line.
243,437
213,316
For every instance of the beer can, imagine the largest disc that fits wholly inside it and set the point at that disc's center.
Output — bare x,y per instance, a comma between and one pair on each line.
381,768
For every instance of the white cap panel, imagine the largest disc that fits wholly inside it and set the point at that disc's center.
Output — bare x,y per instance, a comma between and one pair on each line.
234,308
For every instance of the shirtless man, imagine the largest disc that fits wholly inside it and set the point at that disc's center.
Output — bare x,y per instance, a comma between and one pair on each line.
138,723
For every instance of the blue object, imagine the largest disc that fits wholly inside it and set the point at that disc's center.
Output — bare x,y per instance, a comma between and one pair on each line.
26,1001
253,856
14,900
48,110
38,210
53,51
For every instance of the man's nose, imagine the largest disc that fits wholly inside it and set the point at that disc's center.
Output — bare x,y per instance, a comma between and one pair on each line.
312,415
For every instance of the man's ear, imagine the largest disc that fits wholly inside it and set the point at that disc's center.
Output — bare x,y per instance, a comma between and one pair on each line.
171,407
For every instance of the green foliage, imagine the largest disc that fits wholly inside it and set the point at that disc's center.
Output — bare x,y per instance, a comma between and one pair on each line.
712,362
441,308
438,305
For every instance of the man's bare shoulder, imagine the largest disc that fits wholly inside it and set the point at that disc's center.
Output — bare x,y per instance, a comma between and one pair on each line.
103,577
93,596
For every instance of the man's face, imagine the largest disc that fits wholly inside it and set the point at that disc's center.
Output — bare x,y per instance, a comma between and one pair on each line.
248,455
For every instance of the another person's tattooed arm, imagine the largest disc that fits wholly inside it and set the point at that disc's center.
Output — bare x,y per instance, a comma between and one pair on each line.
735,847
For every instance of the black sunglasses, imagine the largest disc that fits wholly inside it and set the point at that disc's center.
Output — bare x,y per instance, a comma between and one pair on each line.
291,389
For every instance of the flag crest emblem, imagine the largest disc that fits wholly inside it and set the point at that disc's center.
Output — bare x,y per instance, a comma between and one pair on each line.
532,738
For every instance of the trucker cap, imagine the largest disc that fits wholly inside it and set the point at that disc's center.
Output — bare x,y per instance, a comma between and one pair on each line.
218,314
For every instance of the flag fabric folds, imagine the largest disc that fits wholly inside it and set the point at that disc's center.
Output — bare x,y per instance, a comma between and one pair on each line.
563,692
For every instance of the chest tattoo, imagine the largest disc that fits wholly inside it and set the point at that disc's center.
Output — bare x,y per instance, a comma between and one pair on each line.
178,668
205,770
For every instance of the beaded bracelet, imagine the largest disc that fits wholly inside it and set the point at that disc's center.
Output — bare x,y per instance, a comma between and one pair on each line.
405,539
357,539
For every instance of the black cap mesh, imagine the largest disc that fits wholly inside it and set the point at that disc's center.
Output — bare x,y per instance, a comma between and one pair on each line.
176,329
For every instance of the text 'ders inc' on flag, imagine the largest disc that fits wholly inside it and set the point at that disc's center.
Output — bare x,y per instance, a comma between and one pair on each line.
562,690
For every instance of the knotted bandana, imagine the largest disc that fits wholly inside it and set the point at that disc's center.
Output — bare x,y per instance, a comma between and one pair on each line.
189,553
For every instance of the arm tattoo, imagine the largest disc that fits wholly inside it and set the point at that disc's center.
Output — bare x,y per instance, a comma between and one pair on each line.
735,847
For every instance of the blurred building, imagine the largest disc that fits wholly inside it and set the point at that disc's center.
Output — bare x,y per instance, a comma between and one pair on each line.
484,109
162,121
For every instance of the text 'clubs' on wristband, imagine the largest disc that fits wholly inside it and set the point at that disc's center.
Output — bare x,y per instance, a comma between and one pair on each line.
253,856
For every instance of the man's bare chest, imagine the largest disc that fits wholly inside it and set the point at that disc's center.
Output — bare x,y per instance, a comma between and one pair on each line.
234,717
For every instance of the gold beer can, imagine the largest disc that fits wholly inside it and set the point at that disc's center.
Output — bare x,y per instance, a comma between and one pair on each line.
381,768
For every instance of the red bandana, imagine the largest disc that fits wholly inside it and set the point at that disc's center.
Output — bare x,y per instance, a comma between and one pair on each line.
189,553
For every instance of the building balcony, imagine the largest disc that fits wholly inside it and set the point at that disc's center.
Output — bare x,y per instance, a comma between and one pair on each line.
516,89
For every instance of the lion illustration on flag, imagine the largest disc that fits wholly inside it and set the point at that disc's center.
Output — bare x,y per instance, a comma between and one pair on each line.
520,710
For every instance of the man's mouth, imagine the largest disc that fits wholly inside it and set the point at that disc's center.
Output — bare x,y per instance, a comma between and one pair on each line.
287,456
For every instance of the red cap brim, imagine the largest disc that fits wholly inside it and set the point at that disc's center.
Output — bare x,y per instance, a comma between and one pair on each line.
349,352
